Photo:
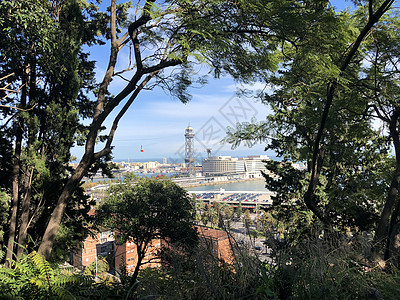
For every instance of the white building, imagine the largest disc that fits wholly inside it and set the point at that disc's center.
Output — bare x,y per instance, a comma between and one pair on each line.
222,165
151,165
254,164
225,165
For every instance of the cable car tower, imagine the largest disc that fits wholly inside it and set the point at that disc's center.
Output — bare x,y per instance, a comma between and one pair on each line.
189,151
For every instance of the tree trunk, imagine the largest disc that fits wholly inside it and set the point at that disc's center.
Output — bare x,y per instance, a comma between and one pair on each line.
140,256
52,227
393,249
15,193
16,170
383,230
26,198
26,202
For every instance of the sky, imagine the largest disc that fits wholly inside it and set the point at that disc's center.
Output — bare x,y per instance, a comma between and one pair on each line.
156,121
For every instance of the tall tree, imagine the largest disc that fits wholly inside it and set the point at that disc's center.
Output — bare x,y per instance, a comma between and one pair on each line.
376,9
239,211
379,85
44,70
320,100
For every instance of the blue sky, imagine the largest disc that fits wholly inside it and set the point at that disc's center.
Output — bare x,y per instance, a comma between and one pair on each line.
156,121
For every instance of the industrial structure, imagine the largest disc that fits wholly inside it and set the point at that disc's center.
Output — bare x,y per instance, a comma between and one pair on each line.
189,151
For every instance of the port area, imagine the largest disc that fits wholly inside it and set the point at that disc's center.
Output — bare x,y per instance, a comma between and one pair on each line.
248,199
188,182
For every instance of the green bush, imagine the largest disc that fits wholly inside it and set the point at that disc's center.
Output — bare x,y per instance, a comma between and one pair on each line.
203,276
331,267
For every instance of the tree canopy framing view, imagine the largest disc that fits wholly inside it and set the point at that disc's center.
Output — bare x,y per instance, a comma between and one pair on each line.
332,81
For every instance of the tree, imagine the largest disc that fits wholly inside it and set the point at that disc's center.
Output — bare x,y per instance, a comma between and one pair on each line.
99,267
47,37
212,215
258,221
198,218
218,210
204,219
380,88
269,226
199,208
227,215
375,12
143,209
322,72
239,210
44,70
247,221
322,62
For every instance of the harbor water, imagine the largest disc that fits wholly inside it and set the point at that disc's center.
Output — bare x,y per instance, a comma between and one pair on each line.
257,185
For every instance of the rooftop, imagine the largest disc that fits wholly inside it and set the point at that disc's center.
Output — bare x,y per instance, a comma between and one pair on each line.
212,233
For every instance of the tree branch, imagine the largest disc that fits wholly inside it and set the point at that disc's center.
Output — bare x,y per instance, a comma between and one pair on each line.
5,77
17,108
122,72
136,50
107,149
162,65
144,18
123,40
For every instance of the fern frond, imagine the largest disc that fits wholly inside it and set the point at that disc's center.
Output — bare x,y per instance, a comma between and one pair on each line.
46,271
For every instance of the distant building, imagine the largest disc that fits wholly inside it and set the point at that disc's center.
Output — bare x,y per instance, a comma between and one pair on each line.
102,244
222,165
226,165
254,164
217,241
126,255
151,165
85,255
